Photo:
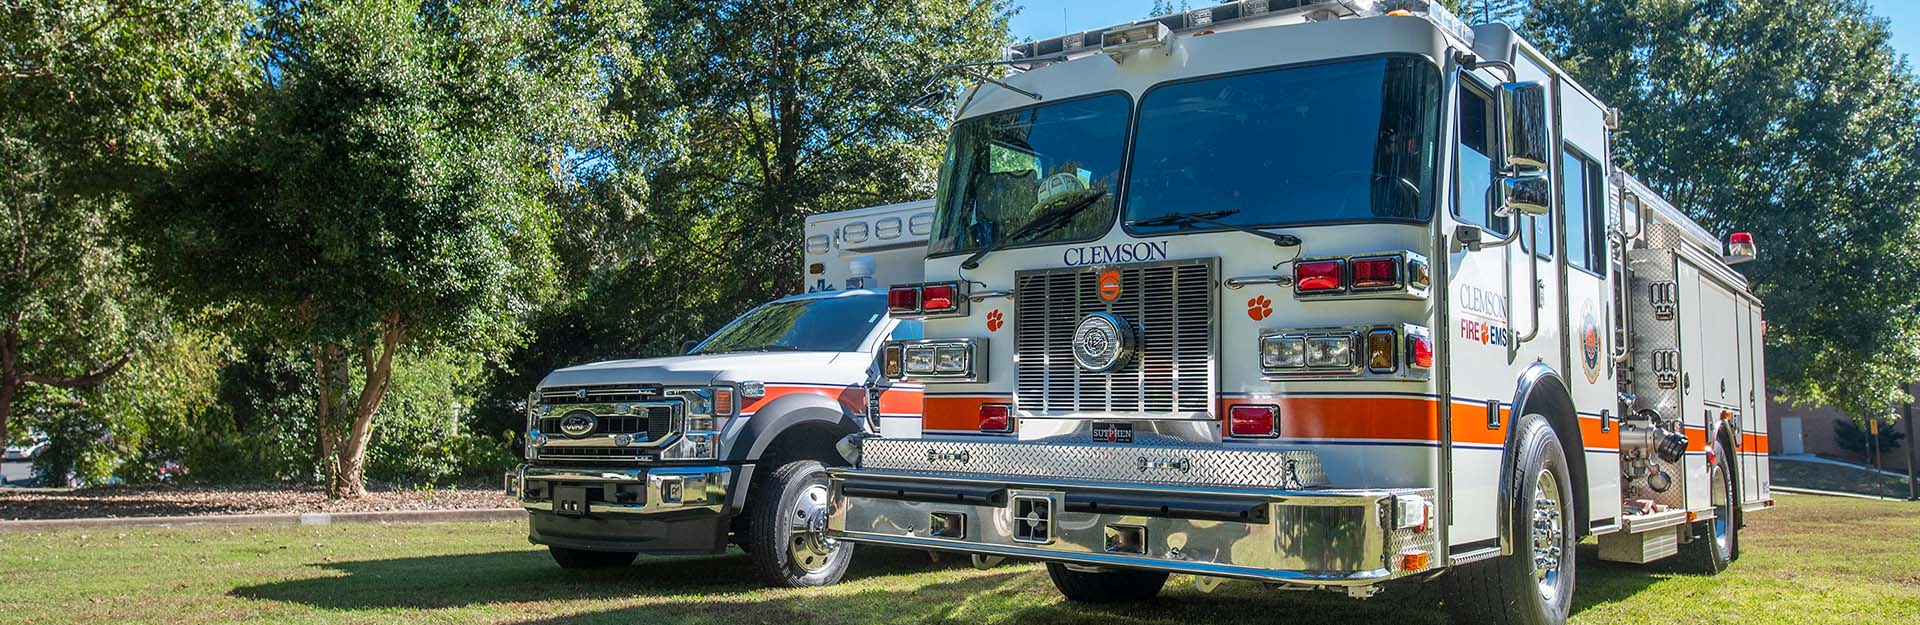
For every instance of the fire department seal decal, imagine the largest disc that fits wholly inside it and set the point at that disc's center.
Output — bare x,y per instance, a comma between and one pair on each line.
1590,344
1109,285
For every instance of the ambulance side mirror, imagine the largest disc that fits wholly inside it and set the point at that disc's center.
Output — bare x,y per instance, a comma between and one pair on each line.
1527,144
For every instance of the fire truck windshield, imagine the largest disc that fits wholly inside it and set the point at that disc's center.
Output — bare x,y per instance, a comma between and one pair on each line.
1005,170
821,324
1338,142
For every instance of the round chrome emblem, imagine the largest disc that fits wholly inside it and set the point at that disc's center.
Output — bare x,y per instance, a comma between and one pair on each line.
1103,342
577,423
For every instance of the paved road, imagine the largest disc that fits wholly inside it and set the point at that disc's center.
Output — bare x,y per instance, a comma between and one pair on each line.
15,470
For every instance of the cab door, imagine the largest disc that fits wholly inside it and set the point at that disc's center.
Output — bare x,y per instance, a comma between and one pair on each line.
1584,268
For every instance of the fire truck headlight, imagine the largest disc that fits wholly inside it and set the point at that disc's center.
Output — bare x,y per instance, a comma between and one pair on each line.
1330,352
950,358
920,359
1283,352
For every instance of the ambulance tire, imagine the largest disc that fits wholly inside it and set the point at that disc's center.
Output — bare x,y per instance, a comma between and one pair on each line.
1111,586
787,548
1508,590
583,559
1716,542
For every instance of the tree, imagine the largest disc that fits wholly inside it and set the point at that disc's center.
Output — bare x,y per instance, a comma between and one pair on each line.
1166,7
96,98
1488,11
1850,436
393,191
1792,119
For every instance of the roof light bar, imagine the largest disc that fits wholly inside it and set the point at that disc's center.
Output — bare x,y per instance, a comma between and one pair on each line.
1231,13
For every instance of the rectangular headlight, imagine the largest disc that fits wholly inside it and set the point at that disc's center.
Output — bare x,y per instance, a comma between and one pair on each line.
951,358
920,359
1330,352
1283,352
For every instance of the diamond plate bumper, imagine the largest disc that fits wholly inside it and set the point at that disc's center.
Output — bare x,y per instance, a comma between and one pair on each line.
1261,515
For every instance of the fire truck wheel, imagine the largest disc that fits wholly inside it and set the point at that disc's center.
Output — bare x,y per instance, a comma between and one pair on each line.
1122,586
788,532
1716,542
583,559
1534,585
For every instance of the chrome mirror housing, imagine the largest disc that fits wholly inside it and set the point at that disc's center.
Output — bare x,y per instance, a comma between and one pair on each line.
1527,146
1527,195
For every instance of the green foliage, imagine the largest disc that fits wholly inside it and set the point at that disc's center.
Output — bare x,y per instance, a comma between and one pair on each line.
1488,11
760,113
1793,119
392,190
1852,437
96,98
1166,7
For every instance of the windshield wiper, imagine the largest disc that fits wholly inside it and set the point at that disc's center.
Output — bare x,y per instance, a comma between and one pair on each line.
1049,221
1212,218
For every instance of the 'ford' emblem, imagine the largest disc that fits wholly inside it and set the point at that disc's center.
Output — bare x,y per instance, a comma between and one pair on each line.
577,423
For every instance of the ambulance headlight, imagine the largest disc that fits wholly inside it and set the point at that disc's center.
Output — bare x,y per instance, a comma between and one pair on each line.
919,360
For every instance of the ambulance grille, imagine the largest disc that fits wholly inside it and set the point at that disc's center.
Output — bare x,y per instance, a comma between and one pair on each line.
1171,305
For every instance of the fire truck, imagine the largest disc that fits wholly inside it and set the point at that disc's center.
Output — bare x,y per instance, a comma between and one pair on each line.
729,442
1331,294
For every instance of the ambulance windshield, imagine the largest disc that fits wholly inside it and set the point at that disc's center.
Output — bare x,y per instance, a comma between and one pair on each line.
820,324
1005,170
1330,143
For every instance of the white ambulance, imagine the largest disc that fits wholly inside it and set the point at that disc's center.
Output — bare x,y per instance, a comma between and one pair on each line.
1324,294
729,442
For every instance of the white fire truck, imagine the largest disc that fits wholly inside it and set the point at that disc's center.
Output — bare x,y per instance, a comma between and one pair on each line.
729,442
1334,294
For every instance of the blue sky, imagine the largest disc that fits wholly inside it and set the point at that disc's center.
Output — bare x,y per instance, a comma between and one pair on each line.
1040,19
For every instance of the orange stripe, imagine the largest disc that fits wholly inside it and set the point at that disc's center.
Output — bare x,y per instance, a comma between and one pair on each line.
852,398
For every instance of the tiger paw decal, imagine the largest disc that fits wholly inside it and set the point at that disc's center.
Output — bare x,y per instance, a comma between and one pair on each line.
994,321
1259,307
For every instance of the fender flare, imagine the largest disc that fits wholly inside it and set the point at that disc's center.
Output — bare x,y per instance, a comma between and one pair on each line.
1540,390
765,426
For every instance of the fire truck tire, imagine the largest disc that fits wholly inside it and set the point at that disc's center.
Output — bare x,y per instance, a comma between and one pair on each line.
1534,585
1716,542
584,559
1120,586
787,534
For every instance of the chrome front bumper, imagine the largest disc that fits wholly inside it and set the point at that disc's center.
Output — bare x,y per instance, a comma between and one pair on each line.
1070,503
583,491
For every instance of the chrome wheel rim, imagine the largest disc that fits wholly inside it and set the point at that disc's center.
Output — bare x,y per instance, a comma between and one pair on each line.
808,547
1548,531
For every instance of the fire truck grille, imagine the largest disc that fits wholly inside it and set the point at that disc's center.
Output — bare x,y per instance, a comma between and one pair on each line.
1171,306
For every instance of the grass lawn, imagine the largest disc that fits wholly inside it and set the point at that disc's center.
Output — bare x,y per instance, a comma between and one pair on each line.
1836,478
1812,560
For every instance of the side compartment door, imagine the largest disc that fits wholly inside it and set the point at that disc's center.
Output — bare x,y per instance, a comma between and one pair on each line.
1758,476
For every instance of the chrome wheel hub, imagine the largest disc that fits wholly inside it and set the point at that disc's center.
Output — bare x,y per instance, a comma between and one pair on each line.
808,546
1722,511
1548,532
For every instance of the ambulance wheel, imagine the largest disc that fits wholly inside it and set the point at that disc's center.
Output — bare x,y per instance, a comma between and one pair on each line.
1716,542
583,559
1105,586
788,539
1534,585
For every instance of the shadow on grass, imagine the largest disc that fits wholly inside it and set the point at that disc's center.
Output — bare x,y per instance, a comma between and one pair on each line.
449,581
716,589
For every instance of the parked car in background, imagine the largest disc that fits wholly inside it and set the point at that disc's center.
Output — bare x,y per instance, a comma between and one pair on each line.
35,445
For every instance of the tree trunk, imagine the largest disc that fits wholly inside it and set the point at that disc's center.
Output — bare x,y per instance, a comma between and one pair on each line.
348,433
9,384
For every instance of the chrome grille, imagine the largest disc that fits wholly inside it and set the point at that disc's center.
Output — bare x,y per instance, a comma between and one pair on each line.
657,422
600,394
1171,305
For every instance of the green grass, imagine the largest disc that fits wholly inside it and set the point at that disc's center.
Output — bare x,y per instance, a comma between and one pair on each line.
1812,560
1836,478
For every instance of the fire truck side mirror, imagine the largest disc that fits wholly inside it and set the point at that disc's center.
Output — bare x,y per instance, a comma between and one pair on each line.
687,347
1527,195
1527,145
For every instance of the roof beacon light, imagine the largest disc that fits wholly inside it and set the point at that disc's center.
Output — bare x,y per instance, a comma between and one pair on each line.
1740,248
1119,43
